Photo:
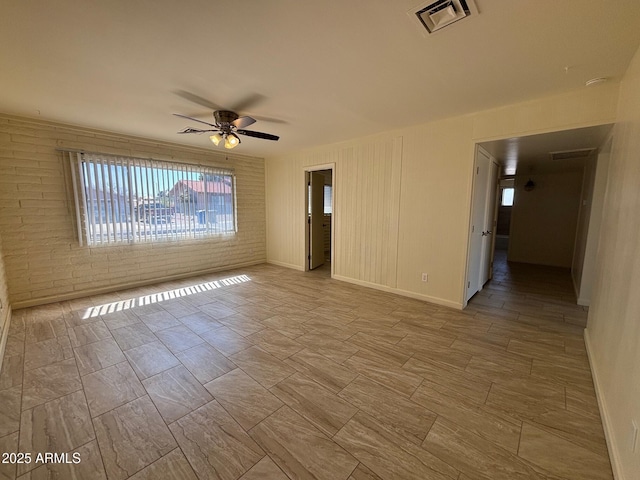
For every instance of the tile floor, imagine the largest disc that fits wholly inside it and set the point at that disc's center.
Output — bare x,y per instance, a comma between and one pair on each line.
269,373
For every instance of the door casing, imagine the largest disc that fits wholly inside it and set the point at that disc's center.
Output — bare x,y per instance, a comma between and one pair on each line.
334,214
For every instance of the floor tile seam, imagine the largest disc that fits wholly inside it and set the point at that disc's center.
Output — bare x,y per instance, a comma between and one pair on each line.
531,420
303,416
450,420
157,460
548,475
148,394
60,396
95,438
159,416
19,430
121,404
4,364
548,428
95,341
435,380
424,448
604,457
381,367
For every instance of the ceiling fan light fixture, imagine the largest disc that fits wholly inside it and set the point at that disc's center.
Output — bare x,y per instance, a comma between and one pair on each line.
231,141
216,139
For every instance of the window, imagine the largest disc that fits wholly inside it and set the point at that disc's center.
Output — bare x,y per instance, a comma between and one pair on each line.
507,197
130,200
327,199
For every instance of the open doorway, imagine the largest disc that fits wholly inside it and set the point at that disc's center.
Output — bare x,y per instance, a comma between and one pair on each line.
548,196
319,219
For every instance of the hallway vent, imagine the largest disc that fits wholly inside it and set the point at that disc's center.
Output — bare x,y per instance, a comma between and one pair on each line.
439,14
570,154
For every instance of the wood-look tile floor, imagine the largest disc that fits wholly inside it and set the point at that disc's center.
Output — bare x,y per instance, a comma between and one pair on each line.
269,373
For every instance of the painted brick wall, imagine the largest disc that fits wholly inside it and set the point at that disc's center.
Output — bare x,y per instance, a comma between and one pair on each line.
43,260
5,308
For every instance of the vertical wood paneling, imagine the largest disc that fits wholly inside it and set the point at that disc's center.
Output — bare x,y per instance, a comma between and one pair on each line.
368,251
366,200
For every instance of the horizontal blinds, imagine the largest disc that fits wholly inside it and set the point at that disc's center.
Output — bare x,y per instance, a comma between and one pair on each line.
130,200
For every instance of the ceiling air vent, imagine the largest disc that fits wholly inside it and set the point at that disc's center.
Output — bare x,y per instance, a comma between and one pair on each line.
569,154
441,13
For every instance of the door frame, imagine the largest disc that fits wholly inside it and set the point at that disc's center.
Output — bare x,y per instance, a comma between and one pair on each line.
306,171
488,208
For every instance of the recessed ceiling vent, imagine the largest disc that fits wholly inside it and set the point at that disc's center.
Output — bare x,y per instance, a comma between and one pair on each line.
569,154
442,13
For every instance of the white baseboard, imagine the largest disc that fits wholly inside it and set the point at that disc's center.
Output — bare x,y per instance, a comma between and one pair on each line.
398,291
584,302
123,286
286,265
612,447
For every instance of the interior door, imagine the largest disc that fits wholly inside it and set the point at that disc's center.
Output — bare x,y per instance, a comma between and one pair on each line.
488,232
316,219
478,215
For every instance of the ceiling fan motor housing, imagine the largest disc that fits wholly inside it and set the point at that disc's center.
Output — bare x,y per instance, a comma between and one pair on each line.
225,116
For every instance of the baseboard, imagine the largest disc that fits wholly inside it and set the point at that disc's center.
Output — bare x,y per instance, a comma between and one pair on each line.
398,291
5,335
584,302
576,289
123,286
286,265
604,413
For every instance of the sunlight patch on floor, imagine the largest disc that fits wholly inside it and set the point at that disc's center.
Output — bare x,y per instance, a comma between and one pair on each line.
118,306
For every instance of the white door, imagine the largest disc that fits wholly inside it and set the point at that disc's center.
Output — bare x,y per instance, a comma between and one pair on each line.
488,232
478,216
316,220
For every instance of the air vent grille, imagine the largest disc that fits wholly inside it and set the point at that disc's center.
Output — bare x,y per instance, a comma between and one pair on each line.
442,13
569,154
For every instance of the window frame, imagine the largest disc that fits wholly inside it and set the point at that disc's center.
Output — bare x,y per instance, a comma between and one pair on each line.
144,201
513,196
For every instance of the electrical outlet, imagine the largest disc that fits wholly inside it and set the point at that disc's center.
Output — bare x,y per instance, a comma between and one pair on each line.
634,436
425,277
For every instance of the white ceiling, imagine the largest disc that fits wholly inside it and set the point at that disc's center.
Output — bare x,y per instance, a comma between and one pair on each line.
532,154
311,72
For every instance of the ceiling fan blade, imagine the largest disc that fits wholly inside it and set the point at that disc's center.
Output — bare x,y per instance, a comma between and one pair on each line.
264,136
192,97
196,130
194,119
242,122
248,102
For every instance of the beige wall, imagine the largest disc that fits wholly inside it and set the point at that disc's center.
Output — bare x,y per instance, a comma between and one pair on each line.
544,220
613,329
402,199
43,259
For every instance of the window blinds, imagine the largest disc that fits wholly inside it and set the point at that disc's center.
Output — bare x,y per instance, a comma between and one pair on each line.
131,200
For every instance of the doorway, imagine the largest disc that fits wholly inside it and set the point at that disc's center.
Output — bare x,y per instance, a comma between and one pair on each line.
548,199
319,236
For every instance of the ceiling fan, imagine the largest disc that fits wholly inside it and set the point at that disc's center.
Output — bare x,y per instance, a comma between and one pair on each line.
228,125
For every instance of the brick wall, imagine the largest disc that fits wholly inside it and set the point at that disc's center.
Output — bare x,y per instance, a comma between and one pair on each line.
42,257
5,308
